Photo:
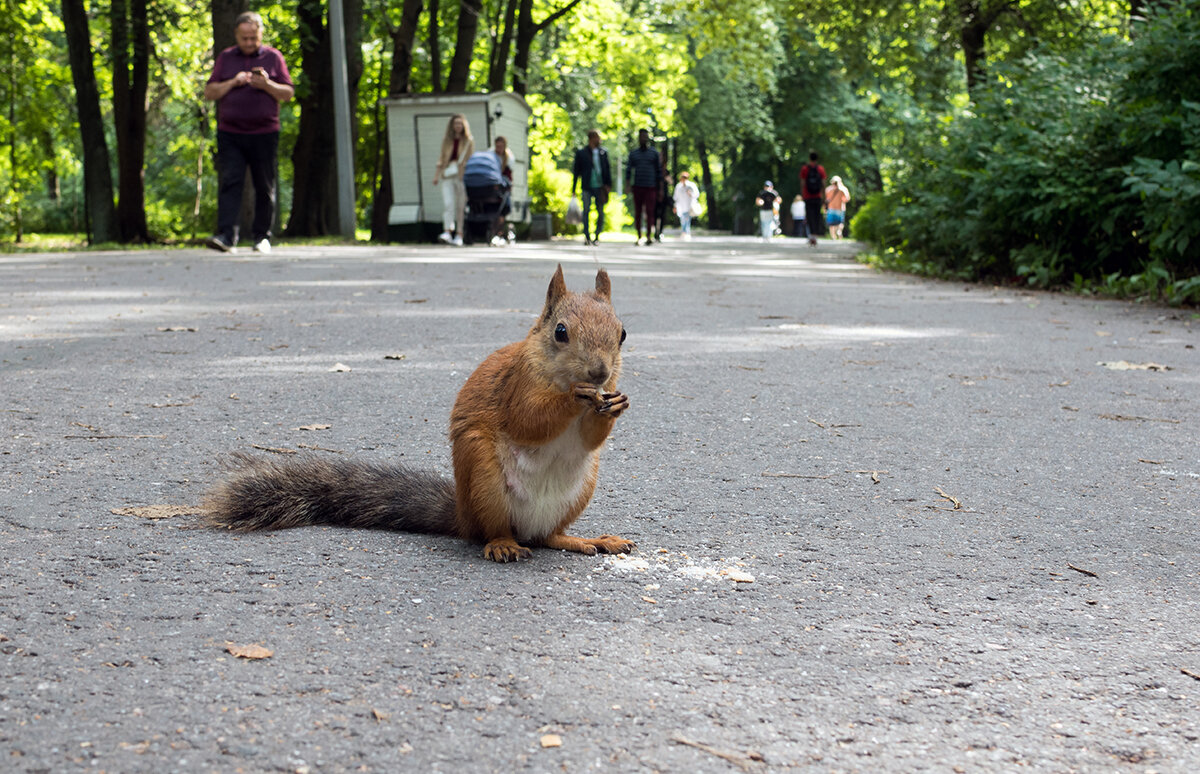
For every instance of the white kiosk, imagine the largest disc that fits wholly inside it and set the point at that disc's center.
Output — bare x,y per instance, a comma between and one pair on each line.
416,124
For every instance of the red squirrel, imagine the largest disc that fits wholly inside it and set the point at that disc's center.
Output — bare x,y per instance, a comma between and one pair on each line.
526,432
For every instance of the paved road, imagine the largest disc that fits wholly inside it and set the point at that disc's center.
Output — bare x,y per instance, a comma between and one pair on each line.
972,546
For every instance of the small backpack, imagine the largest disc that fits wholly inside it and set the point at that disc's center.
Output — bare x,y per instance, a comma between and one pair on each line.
812,181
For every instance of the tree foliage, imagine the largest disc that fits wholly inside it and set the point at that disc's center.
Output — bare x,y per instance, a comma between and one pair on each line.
1067,170
1040,141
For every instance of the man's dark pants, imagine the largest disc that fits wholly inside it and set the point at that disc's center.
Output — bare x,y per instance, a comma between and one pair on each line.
236,152
644,198
812,214
600,196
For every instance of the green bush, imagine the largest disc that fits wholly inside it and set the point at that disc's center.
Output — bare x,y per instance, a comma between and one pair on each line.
1077,171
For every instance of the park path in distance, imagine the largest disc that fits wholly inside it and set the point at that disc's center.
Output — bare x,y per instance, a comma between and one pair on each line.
884,524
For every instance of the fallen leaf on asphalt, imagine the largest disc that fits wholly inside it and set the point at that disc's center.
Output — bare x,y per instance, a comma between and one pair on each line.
273,449
742,761
1125,365
551,740
395,357
311,447
314,427
951,498
339,368
650,600
1127,418
157,511
249,652
177,329
380,715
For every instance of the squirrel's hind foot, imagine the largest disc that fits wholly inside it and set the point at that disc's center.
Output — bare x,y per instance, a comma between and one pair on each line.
606,544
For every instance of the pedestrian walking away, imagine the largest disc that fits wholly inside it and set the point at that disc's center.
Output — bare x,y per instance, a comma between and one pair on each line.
687,203
812,188
643,174
593,174
799,223
457,146
248,82
836,196
767,202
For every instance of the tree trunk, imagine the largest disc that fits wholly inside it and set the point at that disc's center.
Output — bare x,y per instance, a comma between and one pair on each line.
131,79
398,83
872,176
434,45
464,46
498,66
97,176
314,199
976,17
224,13
524,41
710,191
527,30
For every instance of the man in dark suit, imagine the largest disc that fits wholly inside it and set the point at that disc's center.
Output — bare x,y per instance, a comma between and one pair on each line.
591,168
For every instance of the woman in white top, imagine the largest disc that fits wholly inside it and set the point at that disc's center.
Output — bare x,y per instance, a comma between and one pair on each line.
457,147
799,226
687,202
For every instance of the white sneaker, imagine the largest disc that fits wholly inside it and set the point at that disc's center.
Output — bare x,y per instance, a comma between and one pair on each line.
456,241
499,241
444,237
262,246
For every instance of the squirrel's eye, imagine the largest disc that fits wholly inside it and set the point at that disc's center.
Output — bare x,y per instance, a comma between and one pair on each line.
560,334
622,335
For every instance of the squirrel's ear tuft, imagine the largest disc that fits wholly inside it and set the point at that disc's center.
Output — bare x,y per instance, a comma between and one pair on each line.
557,289
603,285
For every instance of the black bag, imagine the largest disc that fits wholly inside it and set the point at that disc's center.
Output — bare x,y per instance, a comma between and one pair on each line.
812,181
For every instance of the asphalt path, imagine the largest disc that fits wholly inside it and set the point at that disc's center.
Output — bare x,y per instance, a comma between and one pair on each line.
884,524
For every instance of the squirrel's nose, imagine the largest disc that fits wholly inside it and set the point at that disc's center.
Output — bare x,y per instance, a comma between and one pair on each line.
598,374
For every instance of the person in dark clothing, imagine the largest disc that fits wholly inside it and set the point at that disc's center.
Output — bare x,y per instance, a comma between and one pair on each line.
248,82
591,168
662,205
643,173
812,188
767,202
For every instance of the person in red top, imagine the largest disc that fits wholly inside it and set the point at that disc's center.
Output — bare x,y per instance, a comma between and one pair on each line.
812,188
248,82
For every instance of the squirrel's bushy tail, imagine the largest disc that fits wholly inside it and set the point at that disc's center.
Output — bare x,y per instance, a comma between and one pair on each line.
261,494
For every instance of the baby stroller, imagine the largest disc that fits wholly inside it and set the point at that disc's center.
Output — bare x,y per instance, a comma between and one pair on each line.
487,197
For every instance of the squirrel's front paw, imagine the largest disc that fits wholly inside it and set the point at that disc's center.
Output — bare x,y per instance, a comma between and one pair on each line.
614,403
610,403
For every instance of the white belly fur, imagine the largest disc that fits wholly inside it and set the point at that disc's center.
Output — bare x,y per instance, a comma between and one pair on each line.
543,482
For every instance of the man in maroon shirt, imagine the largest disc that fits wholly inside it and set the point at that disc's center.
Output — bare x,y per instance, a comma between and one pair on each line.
248,82
812,188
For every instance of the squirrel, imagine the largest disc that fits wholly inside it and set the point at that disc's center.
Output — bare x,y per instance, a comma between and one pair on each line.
526,431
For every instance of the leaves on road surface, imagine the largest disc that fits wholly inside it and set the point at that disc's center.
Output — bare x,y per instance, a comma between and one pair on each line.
957,503
339,368
551,740
158,511
314,427
249,652
1125,365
